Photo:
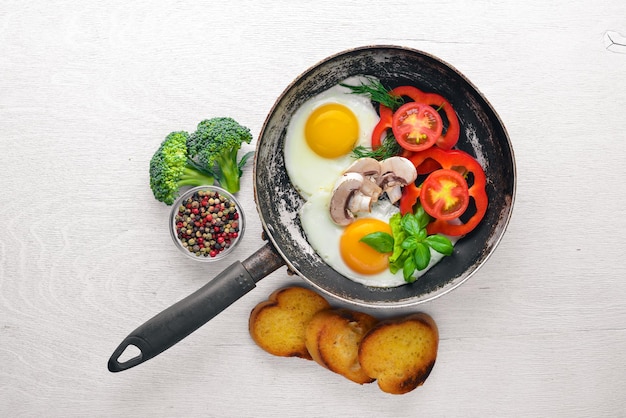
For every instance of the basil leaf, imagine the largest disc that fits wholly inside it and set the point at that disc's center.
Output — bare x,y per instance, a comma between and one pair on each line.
421,217
440,244
380,241
410,224
409,243
398,264
408,269
421,256
421,235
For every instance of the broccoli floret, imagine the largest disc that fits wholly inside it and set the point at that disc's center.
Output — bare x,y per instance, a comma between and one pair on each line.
171,168
215,144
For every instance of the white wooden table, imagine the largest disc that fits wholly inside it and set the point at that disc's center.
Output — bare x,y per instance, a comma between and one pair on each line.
88,90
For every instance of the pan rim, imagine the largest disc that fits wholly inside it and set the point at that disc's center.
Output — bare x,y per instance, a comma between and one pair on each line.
448,287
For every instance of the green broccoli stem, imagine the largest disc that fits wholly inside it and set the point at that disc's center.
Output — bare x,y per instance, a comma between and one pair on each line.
228,171
193,177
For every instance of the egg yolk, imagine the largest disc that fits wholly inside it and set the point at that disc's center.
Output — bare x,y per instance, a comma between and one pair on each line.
359,256
331,130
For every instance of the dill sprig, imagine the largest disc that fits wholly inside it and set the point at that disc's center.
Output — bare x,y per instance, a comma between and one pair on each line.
388,148
377,93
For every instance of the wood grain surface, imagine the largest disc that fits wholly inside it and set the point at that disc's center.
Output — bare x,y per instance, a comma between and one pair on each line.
88,89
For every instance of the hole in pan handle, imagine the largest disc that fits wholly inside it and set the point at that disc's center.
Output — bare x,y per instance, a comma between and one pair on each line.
187,315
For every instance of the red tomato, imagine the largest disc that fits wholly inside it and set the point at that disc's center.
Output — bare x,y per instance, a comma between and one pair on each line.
416,126
456,160
451,136
444,194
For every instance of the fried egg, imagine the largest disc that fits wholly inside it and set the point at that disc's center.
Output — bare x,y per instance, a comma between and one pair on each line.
340,247
318,143
322,133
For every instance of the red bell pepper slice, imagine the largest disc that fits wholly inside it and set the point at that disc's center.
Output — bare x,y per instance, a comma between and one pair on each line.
427,166
411,92
378,134
463,163
451,136
410,195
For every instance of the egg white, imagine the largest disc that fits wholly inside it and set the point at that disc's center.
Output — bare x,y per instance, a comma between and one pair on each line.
308,171
324,236
315,176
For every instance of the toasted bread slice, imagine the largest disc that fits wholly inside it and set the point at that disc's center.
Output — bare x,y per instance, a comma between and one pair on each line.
277,325
333,337
400,353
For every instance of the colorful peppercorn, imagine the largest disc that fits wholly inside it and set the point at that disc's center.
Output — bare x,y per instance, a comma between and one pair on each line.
207,223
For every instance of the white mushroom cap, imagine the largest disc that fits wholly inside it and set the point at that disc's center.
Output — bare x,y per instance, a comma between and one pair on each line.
368,167
364,181
347,187
396,172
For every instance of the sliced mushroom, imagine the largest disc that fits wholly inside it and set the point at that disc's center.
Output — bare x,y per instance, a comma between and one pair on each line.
371,189
364,181
396,172
360,202
369,168
349,198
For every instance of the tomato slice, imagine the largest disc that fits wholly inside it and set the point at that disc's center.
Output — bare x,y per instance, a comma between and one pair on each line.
463,163
451,136
448,139
416,126
444,194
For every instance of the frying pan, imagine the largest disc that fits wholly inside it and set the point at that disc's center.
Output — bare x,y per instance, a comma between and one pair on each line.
482,134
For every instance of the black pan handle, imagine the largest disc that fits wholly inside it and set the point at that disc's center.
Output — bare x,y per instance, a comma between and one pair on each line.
187,315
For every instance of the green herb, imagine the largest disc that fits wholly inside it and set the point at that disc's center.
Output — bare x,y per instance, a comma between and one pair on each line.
387,149
380,241
399,255
409,243
377,93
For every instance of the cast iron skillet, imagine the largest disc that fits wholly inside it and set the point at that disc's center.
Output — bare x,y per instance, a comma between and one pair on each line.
482,135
